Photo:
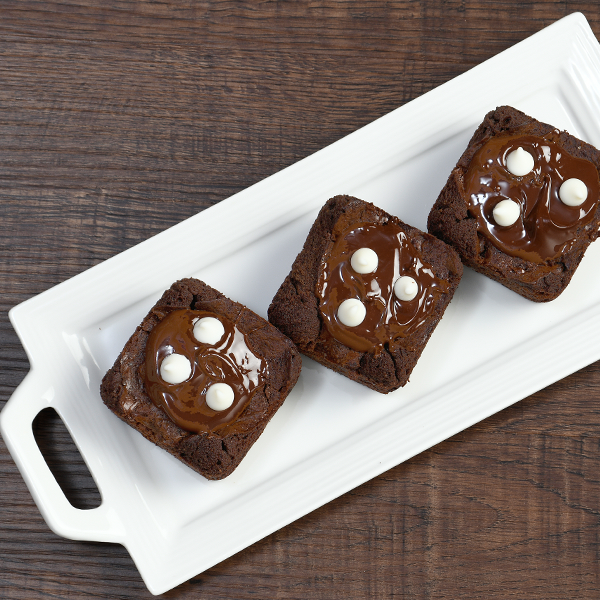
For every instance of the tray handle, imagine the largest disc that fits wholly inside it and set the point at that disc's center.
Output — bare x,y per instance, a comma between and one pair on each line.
96,524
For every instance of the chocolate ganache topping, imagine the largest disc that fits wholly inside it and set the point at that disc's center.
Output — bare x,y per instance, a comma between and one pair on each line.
387,317
229,360
546,227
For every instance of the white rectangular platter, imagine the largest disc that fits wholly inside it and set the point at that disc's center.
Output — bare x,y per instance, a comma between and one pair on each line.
491,349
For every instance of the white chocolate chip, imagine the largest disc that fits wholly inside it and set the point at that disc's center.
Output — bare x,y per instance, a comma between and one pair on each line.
406,288
219,396
175,368
506,212
519,162
364,260
573,192
351,312
208,330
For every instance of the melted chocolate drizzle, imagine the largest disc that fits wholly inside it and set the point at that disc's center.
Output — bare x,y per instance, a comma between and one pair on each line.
228,361
546,227
388,319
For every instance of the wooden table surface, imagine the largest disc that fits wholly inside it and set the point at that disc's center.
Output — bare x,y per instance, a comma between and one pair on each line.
121,118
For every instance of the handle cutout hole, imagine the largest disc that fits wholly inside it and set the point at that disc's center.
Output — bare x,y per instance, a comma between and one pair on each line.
64,460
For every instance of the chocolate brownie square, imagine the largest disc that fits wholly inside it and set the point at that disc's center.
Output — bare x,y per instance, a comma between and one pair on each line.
521,205
201,377
365,293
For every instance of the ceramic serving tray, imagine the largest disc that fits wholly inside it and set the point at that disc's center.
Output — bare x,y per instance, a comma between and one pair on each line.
491,349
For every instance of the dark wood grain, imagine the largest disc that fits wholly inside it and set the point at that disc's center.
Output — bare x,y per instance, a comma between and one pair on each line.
119,119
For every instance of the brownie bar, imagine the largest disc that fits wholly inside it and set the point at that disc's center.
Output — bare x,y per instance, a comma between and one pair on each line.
383,349
538,254
217,446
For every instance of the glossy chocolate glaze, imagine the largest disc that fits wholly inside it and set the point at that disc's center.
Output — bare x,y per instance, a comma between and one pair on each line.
388,319
228,361
546,227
